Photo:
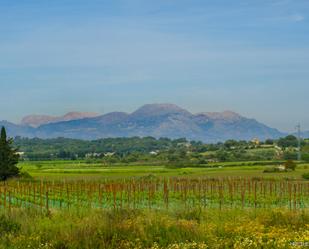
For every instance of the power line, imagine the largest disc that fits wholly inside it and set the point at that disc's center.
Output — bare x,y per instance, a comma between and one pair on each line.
298,127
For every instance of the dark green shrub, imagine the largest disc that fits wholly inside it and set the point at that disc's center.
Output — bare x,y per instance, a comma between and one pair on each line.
306,176
8,226
290,165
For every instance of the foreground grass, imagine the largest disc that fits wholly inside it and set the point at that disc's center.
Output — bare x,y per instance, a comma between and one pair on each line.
25,228
71,228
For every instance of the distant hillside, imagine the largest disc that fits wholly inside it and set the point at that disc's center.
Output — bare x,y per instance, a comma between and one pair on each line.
156,120
14,130
37,120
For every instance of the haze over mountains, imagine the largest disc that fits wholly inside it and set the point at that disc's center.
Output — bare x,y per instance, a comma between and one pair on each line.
37,120
157,120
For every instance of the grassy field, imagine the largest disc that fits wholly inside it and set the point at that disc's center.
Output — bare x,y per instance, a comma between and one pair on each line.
75,169
150,229
71,204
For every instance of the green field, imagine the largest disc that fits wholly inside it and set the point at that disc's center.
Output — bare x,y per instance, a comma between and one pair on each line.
72,204
75,169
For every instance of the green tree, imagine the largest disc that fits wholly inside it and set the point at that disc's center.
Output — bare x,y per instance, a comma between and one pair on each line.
288,141
222,155
229,144
269,141
8,157
289,164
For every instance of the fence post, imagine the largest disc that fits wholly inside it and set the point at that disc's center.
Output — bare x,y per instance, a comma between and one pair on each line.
10,201
4,201
47,202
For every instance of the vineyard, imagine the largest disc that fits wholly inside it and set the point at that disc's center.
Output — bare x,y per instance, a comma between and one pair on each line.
157,193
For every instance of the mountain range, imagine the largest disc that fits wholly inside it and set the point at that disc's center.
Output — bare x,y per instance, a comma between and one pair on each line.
156,120
38,120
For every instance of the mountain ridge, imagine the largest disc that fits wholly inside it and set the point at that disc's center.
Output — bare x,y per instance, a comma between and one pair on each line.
156,120
35,120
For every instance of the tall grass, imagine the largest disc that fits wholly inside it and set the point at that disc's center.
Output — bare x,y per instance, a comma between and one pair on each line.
129,228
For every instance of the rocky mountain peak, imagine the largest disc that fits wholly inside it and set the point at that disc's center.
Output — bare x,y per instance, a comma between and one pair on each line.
159,110
156,120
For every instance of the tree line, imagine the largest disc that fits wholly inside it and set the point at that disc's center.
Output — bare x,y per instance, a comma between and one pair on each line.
173,152
125,150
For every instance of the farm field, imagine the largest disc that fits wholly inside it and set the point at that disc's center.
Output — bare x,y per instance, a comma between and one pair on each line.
154,124
83,170
69,204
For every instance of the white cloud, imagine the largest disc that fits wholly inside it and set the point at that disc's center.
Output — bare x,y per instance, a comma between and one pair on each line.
297,18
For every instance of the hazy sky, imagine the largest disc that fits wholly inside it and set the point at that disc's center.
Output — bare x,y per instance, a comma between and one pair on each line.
249,56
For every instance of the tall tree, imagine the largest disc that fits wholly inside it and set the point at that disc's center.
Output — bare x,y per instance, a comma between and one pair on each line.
8,157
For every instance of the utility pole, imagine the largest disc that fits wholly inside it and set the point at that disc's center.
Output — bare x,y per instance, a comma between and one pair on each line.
299,142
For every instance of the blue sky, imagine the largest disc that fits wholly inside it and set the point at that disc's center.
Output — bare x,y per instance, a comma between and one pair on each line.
251,57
